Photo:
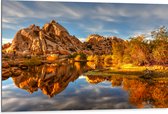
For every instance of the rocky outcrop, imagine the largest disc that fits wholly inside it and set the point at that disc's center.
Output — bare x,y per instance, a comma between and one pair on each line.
52,38
99,45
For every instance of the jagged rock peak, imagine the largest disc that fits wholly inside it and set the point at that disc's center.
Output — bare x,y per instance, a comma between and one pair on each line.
34,27
52,21
53,25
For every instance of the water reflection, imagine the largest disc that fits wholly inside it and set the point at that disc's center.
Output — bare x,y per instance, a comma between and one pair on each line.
147,92
51,80
88,92
115,80
142,93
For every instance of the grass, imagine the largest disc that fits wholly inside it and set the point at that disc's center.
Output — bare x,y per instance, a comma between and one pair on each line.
136,71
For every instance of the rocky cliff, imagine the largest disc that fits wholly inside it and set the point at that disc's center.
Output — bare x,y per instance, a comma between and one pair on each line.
51,38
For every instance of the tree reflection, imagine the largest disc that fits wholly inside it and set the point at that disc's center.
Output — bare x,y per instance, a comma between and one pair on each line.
142,93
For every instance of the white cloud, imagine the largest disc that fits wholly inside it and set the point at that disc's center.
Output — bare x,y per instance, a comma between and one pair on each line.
8,86
9,20
159,12
13,9
82,39
58,10
142,11
105,12
8,26
104,18
98,28
11,26
6,40
108,10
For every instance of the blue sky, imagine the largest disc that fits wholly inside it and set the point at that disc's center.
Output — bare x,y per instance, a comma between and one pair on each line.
82,19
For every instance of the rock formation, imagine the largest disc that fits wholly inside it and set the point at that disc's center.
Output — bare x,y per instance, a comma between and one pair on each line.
52,38
99,45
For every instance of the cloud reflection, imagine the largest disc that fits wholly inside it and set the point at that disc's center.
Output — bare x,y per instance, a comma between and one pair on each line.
85,99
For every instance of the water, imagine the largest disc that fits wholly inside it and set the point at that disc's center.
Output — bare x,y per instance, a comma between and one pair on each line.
51,88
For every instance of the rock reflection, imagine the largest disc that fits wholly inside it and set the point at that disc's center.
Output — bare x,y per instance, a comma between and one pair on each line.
50,79
116,80
142,93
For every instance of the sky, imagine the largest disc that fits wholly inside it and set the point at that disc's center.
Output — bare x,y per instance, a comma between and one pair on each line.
83,19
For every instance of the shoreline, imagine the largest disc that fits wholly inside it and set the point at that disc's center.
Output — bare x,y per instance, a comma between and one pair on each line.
146,72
